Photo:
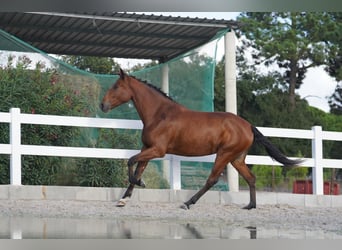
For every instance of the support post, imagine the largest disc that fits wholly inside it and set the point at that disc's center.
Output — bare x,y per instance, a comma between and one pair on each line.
230,94
15,141
166,165
175,173
165,78
317,155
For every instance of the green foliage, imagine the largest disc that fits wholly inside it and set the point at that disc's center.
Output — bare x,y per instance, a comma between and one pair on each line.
293,174
334,67
266,176
294,41
138,67
153,178
335,100
219,87
34,91
48,92
45,91
262,100
4,169
93,64
101,173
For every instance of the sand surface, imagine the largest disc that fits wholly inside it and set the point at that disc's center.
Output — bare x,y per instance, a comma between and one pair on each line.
266,216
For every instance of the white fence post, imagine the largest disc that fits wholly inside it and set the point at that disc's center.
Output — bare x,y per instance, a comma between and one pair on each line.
15,141
317,155
175,173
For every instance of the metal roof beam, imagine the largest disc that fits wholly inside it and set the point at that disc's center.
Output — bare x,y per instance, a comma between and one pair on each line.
105,54
106,45
82,33
107,32
136,20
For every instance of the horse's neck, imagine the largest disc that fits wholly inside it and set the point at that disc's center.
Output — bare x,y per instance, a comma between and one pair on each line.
148,101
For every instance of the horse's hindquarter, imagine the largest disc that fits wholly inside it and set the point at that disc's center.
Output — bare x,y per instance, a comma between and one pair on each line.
204,133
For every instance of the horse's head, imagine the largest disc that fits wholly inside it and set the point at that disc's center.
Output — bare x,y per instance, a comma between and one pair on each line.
118,94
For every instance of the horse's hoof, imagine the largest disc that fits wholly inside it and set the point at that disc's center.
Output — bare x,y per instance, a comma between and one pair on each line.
142,183
121,203
249,206
185,206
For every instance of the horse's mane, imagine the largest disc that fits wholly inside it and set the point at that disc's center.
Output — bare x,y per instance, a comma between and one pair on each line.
153,87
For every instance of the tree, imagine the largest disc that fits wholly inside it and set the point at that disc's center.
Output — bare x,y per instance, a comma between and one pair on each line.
219,87
37,91
294,41
334,67
42,90
262,100
335,101
93,64
142,66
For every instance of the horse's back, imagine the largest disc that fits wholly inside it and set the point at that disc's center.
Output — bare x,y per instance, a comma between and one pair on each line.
218,121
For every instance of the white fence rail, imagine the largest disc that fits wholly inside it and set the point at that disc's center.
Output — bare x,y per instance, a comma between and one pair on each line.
15,149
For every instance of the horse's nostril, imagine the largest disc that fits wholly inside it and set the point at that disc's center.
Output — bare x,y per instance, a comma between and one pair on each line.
104,107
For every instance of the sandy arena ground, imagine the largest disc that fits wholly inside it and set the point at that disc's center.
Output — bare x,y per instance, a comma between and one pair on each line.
276,217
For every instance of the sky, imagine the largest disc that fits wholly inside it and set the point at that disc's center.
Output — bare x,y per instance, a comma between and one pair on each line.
317,86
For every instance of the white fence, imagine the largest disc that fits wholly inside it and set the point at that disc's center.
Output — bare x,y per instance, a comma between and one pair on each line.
15,149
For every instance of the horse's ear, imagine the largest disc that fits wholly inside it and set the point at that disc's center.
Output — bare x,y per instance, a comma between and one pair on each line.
122,74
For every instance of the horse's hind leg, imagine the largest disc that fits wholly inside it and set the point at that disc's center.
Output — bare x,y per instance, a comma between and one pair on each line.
249,177
218,168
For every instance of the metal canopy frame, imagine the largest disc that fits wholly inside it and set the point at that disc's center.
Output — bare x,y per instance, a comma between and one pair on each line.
117,34
128,36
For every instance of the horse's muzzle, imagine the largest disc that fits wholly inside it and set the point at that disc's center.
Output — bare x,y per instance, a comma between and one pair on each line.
105,108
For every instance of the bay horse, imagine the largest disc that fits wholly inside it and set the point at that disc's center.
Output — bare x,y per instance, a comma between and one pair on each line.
169,127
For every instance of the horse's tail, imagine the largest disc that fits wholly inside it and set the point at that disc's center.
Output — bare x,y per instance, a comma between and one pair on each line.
272,150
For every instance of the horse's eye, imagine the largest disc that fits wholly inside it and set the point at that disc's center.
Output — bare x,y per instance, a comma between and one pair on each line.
115,86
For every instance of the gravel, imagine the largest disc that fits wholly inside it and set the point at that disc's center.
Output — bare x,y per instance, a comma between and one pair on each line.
275,217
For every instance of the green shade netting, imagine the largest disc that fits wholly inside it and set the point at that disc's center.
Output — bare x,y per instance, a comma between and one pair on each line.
191,75
191,78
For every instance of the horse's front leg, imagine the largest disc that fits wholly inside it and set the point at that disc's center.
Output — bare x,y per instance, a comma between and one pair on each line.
122,202
133,179
146,155
137,180
142,158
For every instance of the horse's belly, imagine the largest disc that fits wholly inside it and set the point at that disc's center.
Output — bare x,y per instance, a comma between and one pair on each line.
192,152
193,146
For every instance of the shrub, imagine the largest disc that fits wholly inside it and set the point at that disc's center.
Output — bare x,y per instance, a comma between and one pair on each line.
299,173
265,178
47,91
